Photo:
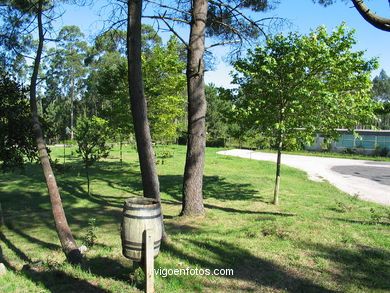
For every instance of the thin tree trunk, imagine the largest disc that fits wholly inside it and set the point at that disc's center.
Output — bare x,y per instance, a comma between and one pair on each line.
196,142
72,110
88,181
64,233
150,182
277,179
120,151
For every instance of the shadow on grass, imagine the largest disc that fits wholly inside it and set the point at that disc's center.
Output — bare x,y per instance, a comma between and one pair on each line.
73,183
110,268
360,222
59,282
246,266
228,210
213,187
15,249
55,281
359,267
32,239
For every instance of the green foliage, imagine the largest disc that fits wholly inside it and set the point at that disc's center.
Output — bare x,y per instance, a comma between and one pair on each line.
381,151
65,81
381,87
16,134
375,216
92,136
164,83
216,122
108,92
108,82
15,44
296,85
90,236
342,207
162,155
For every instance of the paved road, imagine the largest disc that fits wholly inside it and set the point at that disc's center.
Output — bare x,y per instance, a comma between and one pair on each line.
369,179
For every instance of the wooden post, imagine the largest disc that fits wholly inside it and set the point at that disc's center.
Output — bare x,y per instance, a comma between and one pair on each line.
149,261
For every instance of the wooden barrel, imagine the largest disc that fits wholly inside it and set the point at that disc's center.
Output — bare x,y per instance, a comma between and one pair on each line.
140,214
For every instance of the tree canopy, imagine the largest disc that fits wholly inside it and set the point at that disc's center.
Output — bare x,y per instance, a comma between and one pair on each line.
296,86
16,136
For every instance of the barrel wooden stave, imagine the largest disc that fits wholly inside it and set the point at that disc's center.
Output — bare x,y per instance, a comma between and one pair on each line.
140,214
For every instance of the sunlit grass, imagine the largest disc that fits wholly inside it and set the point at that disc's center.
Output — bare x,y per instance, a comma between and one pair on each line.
317,240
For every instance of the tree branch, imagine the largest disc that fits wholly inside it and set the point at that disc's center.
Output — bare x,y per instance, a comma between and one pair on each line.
372,18
223,43
169,7
169,18
173,31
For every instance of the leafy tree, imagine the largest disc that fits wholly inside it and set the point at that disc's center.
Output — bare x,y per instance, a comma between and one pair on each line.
295,86
381,87
15,41
164,84
227,23
217,108
16,136
67,72
108,81
381,93
92,136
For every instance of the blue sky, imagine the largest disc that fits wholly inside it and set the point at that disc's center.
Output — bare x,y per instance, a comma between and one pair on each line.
303,16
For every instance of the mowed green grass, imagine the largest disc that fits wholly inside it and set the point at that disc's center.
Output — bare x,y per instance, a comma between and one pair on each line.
328,154
317,240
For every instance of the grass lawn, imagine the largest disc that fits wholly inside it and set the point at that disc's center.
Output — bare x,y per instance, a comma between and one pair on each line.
317,240
331,155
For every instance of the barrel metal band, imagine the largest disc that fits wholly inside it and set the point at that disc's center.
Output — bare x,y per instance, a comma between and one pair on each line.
126,242
141,209
137,258
140,248
142,217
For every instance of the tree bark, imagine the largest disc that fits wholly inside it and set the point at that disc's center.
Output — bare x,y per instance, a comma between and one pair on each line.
150,183
88,181
120,150
72,110
277,177
196,142
372,18
64,233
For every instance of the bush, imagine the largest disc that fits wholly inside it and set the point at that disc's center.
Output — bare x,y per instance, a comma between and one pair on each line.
215,142
381,152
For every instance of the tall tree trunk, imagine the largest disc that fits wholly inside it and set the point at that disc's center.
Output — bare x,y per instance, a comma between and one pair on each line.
72,110
277,177
150,183
64,233
196,142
